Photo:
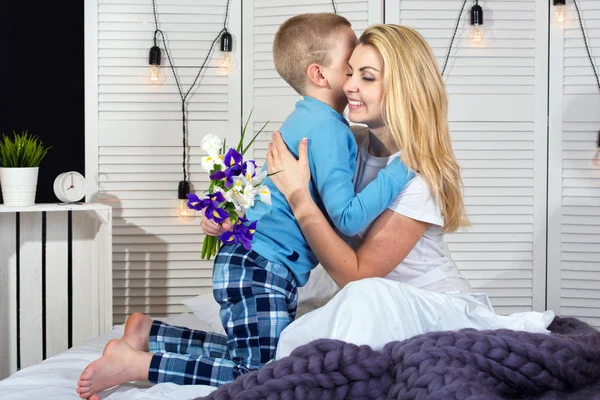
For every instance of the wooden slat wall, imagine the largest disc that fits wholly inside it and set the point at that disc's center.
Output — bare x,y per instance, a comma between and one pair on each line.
498,118
497,90
139,144
574,233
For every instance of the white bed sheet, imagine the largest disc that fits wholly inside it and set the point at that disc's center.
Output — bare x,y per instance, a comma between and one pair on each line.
56,378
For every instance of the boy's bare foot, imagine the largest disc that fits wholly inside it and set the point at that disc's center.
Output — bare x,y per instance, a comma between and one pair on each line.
119,363
137,331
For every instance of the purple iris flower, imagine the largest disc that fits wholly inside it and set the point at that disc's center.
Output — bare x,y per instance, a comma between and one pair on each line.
217,214
242,234
210,205
195,203
227,175
245,168
232,158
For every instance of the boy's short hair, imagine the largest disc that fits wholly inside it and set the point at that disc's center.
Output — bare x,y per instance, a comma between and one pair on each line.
303,40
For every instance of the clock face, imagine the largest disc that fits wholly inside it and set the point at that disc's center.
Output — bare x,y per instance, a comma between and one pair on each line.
69,187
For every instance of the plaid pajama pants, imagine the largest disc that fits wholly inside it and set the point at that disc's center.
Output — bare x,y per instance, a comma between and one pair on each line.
258,300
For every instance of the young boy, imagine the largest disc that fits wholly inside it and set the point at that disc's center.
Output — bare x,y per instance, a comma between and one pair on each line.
257,289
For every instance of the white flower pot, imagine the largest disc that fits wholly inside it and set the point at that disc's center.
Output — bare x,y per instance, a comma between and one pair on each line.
19,186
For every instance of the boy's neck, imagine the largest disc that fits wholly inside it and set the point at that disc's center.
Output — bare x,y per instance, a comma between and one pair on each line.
324,96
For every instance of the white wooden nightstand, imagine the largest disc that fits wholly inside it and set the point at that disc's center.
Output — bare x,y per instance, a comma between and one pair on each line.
55,280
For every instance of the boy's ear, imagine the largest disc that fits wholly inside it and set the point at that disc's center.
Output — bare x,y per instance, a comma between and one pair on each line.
315,75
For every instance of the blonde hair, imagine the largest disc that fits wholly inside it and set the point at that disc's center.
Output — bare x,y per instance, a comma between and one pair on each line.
415,109
303,40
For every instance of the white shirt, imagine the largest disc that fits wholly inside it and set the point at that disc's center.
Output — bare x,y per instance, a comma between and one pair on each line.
429,264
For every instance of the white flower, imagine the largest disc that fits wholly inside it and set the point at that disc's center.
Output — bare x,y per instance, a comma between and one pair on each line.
258,178
240,183
265,194
228,194
211,144
249,189
209,162
249,170
243,201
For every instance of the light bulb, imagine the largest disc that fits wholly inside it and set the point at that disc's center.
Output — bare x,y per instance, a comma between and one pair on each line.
226,62
560,12
155,75
477,33
185,214
477,21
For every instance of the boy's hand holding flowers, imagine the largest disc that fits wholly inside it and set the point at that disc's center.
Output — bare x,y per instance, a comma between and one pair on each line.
234,186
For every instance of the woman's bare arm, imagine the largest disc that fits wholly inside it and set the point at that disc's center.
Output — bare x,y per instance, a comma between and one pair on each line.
389,240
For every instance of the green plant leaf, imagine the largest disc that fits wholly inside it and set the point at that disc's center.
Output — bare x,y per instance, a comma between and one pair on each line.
275,173
240,145
254,138
22,151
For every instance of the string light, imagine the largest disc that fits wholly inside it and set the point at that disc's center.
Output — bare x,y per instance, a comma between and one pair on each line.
477,21
226,61
560,6
183,212
155,74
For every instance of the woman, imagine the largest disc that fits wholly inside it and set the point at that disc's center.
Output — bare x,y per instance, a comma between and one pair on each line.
394,87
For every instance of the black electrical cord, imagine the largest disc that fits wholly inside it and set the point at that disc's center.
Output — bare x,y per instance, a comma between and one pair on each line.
179,88
333,4
587,47
454,35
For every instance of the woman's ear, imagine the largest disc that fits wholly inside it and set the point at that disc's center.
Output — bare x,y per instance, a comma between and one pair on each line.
315,75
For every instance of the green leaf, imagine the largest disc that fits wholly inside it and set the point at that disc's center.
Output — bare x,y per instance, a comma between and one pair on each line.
275,173
23,151
240,145
254,138
204,246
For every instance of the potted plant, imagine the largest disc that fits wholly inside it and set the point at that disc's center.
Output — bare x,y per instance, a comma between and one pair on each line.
20,159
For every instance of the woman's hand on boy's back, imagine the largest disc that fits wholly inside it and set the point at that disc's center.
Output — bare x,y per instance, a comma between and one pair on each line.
287,173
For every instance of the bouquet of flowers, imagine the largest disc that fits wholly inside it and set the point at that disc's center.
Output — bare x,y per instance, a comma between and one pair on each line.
234,186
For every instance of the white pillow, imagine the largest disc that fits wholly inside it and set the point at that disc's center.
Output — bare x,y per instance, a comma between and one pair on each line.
188,320
206,309
319,289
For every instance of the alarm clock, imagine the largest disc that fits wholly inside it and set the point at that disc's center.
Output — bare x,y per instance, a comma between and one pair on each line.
69,187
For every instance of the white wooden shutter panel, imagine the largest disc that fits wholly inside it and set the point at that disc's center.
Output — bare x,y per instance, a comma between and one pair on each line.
574,199
139,144
497,93
264,90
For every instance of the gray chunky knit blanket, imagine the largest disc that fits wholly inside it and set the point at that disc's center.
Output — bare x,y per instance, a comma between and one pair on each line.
466,364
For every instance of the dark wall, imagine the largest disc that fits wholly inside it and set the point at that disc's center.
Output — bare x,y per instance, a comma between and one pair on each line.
42,81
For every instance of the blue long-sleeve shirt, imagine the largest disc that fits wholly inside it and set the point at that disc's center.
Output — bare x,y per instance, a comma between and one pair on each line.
332,159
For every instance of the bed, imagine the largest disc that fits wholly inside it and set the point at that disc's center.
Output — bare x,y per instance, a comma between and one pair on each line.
56,378
413,350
